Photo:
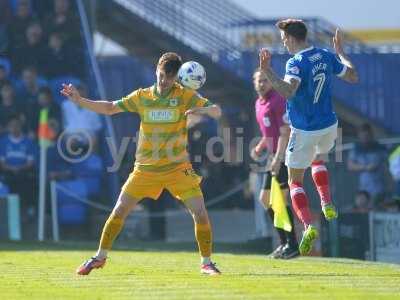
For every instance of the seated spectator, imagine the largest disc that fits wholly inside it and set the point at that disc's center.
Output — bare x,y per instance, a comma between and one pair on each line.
17,161
18,25
60,60
368,158
80,121
64,21
45,100
362,202
32,52
9,107
28,88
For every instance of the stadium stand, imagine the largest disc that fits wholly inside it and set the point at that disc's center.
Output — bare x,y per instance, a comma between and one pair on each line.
41,47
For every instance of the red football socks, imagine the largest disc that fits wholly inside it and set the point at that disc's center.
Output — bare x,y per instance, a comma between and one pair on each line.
321,180
300,203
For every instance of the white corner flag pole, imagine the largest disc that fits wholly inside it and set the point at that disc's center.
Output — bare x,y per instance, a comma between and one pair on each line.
42,191
54,214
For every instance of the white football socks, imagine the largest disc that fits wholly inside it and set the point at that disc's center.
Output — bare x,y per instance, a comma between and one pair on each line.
101,253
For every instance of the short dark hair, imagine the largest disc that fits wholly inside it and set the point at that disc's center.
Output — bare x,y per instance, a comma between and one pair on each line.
170,62
293,27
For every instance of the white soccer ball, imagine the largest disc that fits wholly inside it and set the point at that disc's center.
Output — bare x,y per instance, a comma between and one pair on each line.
192,75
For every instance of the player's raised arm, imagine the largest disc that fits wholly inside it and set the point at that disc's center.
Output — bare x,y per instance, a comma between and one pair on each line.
101,106
351,74
286,89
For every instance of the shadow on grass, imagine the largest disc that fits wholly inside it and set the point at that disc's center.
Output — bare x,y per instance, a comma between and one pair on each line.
251,247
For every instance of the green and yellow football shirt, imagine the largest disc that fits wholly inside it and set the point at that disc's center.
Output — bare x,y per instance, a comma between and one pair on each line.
162,143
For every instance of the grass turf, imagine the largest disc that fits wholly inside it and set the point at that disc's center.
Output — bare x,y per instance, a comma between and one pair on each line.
154,271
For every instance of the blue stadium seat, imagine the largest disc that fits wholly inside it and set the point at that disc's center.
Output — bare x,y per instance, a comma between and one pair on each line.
93,185
70,210
90,172
4,190
5,62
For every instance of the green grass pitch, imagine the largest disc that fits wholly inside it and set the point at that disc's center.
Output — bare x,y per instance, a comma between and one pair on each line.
46,271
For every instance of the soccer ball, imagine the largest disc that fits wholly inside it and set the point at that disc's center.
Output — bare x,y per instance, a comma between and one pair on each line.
192,75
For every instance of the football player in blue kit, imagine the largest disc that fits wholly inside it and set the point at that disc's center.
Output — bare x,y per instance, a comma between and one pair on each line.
307,86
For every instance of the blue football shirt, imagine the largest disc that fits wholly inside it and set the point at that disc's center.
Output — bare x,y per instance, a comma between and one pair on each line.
16,152
311,107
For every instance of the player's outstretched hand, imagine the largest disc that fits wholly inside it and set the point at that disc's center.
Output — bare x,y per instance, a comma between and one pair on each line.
70,92
338,42
265,58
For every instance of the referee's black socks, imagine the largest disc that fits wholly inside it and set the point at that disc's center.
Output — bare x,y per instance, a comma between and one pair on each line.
281,232
291,236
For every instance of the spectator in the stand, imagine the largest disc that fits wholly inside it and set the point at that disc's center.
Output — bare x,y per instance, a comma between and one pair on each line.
63,20
29,87
368,158
9,107
45,100
60,60
362,202
17,161
81,122
18,25
32,52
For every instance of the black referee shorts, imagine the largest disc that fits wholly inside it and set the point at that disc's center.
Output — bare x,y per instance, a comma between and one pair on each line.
282,178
